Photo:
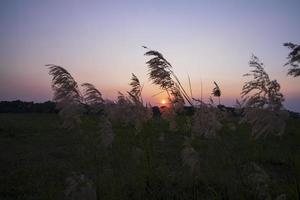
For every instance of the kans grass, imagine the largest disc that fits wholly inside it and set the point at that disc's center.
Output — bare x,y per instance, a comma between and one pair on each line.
104,149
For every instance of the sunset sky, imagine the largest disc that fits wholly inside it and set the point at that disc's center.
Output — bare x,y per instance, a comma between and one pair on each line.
100,42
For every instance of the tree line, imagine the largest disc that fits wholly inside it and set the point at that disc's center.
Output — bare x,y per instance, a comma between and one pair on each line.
19,106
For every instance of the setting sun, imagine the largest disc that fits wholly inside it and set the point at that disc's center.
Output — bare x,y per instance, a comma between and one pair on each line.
163,101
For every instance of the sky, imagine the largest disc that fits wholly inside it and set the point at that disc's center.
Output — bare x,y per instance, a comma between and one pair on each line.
100,42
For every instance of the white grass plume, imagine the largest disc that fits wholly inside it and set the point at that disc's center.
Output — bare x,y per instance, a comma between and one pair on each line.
262,100
161,74
93,97
67,96
265,91
205,122
217,91
177,99
136,90
293,59
63,84
159,71
174,106
129,110
168,113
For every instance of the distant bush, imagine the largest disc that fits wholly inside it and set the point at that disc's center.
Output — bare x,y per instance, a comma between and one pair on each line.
27,107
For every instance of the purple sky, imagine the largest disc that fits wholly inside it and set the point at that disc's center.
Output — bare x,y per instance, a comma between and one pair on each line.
100,42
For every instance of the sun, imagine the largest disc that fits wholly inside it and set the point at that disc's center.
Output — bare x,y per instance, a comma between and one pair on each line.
163,101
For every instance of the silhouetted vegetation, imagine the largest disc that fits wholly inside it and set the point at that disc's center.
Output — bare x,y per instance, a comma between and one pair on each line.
27,107
293,59
127,149
217,92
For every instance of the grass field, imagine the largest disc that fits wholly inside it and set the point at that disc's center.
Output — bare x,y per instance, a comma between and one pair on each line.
36,157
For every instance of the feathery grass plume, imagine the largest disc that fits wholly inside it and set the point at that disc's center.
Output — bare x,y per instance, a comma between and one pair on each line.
205,120
130,110
266,91
67,96
293,59
160,72
136,90
217,91
263,109
175,105
119,111
177,99
140,113
190,157
80,187
257,181
122,99
93,97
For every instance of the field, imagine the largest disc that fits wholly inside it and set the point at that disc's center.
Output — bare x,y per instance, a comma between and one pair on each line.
37,156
